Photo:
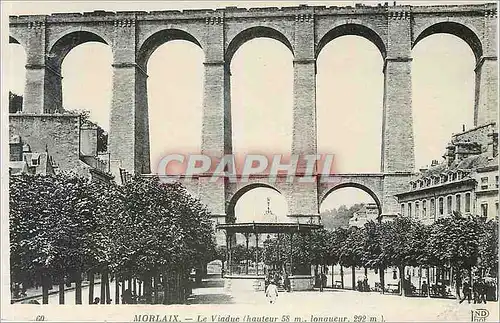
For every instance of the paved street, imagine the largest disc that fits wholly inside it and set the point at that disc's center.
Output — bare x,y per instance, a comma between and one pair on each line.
343,303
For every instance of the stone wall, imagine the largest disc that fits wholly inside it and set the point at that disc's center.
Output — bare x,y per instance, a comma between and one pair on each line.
58,133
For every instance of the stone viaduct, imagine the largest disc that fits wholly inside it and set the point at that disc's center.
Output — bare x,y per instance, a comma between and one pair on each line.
305,30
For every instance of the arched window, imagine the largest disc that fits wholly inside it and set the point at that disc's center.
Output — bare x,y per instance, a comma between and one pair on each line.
441,206
449,204
467,202
458,200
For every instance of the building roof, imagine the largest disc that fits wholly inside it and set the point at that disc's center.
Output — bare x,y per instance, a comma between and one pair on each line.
467,164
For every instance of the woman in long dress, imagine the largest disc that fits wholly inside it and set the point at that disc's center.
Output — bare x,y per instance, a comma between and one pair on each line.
272,292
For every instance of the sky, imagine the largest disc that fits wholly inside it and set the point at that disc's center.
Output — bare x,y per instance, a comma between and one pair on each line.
349,94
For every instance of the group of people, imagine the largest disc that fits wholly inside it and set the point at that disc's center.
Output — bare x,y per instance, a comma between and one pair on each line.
128,297
477,291
273,280
362,285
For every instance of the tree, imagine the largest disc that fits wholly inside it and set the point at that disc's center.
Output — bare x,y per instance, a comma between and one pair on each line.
351,251
488,247
454,241
159,229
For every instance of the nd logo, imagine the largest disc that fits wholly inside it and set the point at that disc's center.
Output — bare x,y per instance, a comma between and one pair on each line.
479,315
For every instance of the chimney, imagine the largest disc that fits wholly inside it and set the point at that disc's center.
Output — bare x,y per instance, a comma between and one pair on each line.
450,154
492,144
463,128
434,163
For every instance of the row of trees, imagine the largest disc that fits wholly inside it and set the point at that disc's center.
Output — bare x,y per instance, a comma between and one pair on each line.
62,226
457,242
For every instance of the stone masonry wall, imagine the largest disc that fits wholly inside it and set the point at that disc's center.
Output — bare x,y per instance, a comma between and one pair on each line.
58,133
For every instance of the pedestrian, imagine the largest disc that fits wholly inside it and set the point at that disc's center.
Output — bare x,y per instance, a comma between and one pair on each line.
97,300
466,291
288,286
272,292
425,289
482,291
109,301
366,287
475,290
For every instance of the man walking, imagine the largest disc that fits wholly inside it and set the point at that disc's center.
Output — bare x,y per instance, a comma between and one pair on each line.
466,291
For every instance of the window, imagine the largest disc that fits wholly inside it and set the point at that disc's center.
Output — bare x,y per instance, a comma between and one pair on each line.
484,210
496,207
457,203
424,209
433,208
436,180
467,202
409,209
417,209
35,162
449,204
402,209
496,181
484,183
441,206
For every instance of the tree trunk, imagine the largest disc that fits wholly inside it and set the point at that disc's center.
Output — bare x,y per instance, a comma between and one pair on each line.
353,278
147,289
124,284
428,274
165,288
333,280
103,287
366,272
78,287
61,291
342,276
458,279
45,288
155,288
117,290
108,292
381,274
402,284
91,286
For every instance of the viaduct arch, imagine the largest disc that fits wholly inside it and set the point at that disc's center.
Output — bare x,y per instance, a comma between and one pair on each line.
305,30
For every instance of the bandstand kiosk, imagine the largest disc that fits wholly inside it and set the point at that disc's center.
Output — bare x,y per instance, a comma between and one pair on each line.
253,277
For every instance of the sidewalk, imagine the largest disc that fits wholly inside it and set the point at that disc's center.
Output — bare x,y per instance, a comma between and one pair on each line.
32,293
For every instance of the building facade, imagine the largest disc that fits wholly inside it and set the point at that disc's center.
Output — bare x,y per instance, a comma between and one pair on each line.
368,212
465,181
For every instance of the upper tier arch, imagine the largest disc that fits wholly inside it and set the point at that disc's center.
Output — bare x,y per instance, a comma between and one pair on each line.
354,29
456,29
64,44
252,33
159,38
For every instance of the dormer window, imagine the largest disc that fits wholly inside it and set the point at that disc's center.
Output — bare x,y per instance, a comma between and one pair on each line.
436,180
35,161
